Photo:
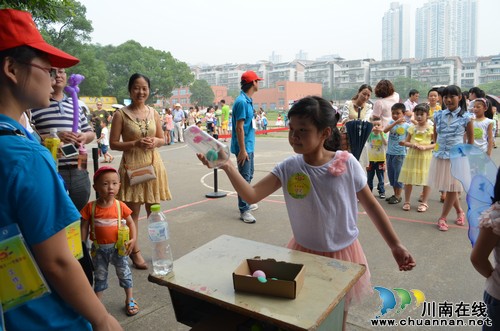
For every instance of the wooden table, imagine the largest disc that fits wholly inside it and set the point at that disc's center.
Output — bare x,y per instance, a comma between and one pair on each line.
202,293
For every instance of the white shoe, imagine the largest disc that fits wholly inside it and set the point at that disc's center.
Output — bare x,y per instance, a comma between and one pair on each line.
253,207
246,217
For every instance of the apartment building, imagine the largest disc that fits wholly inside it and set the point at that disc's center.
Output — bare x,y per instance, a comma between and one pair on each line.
396,32
489,69
438,71
353,73
446,28
389,69
283,94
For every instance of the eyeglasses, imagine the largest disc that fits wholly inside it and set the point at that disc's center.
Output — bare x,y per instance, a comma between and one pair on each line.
51,71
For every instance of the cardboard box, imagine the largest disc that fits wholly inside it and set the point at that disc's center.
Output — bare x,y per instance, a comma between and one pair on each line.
288,283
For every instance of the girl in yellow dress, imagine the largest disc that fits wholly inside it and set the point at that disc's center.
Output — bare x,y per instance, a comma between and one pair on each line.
415,169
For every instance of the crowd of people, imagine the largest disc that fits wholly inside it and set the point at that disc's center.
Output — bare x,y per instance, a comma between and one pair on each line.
410,142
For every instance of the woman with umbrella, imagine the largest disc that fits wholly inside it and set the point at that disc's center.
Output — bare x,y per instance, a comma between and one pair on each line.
357,109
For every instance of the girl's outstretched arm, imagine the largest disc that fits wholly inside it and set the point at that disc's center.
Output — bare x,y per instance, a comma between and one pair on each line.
378,216
250,193
486,241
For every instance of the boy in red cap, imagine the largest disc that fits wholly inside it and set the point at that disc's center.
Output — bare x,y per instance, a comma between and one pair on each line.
102,218
39,205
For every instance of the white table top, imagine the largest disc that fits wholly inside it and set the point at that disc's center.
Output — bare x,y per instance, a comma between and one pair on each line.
206,273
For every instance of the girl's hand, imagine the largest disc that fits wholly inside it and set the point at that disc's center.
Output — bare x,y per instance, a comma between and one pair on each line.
130,246
203,159
403,258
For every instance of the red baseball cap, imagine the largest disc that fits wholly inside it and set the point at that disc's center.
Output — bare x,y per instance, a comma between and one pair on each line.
104,169
18,29
249,76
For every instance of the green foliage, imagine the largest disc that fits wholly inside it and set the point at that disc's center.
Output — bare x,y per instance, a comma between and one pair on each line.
41,9
344,94
201,93
491,87
403,85
233,93
164,71
107,69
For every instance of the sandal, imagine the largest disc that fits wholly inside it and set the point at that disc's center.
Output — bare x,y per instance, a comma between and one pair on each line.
460,219
406,206
394,200
422,207
142,266
442,226
131,307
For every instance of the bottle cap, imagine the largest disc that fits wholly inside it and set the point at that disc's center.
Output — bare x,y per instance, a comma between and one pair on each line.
53,130
155,208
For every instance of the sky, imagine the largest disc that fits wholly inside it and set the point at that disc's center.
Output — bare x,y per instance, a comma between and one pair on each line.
235,31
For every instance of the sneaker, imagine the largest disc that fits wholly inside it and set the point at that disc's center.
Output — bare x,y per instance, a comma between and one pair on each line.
246,217
381,195
389,198
253,207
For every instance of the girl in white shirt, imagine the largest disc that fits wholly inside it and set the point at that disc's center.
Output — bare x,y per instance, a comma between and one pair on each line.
321,190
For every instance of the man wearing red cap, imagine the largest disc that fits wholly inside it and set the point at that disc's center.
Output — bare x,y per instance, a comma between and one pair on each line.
243,137
33,198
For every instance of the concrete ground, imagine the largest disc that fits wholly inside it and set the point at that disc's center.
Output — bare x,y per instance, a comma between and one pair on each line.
443,270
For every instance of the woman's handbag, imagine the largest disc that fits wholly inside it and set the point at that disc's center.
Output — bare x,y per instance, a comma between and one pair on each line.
142,174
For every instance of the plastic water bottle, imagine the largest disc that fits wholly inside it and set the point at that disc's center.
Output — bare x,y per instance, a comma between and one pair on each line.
158,234
216,152
52,142
123,238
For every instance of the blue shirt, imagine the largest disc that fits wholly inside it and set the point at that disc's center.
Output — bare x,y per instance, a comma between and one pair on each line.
33,196
397,134
243,110
450,129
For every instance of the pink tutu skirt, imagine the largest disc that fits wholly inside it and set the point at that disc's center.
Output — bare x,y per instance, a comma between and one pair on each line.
352,253
440,177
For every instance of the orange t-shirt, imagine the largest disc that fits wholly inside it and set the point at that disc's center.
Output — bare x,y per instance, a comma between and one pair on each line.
105,221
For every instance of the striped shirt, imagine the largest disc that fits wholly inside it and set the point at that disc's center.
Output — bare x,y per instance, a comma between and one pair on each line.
59,115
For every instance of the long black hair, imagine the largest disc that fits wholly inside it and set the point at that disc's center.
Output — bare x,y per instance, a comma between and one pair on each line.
456,91
320,112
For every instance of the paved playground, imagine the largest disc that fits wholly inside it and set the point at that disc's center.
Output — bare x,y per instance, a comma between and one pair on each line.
443,273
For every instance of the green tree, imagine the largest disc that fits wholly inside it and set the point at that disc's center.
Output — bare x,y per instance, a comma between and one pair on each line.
41,9
70,31
403,85
164,71
491,88
201,93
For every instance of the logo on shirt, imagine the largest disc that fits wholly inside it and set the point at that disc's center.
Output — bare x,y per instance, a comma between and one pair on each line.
299,186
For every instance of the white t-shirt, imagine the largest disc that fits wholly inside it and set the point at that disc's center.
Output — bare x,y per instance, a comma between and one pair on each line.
322,207
105,136
481,133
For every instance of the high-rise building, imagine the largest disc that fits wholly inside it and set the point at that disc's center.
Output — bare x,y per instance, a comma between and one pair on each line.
396,32
446,28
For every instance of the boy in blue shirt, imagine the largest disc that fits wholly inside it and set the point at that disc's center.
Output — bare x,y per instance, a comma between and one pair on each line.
398,129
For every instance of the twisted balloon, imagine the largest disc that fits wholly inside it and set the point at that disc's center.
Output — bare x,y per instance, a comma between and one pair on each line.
72,89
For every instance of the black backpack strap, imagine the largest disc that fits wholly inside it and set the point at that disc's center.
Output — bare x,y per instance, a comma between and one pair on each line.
16,132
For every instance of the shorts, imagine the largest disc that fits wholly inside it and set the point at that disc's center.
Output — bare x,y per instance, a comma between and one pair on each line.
104,149
224,125
107,254
394,164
